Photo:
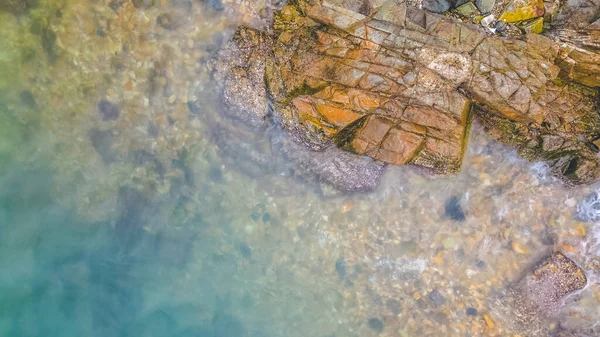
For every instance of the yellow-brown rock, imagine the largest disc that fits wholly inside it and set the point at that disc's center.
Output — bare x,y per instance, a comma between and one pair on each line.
398,84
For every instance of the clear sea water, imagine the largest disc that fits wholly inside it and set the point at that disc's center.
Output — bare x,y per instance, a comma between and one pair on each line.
141,226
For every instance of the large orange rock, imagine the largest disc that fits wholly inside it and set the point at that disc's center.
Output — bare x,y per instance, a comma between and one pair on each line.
400,85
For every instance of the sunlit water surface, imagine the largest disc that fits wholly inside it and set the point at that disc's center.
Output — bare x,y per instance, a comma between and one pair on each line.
141,224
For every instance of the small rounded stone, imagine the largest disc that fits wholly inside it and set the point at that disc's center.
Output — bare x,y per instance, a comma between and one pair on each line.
472,311
376,324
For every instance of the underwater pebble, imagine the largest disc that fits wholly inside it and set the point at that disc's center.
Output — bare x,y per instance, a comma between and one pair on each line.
109,111
166,21
472,311
245,250
376,324
340,268
453,210
437,298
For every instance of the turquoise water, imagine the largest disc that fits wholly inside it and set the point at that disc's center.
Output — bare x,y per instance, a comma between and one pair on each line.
130,206
64,277
151,268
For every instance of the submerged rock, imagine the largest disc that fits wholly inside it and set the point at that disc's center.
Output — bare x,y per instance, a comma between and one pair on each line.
340,268
533,303
453,210
398,86
109,111
375,324
102,141
437,299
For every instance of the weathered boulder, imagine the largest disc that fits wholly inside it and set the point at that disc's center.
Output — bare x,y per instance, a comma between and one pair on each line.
397,84
533,303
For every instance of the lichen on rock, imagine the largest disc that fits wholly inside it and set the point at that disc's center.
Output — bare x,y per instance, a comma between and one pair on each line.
397,83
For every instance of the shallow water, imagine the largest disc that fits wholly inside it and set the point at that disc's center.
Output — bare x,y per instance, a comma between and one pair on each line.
124,212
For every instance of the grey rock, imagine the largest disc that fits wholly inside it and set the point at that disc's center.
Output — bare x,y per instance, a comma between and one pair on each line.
376,324
109,111
577,14
244,97
472,311
340,268
458,3
453,210
485,6
344,171
436,6
437,298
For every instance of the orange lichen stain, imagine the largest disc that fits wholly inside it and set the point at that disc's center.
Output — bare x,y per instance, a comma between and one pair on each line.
511,114
353,54
367,102
337,116
488,321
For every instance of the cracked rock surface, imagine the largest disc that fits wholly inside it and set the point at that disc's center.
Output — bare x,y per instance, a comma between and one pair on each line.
401,85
